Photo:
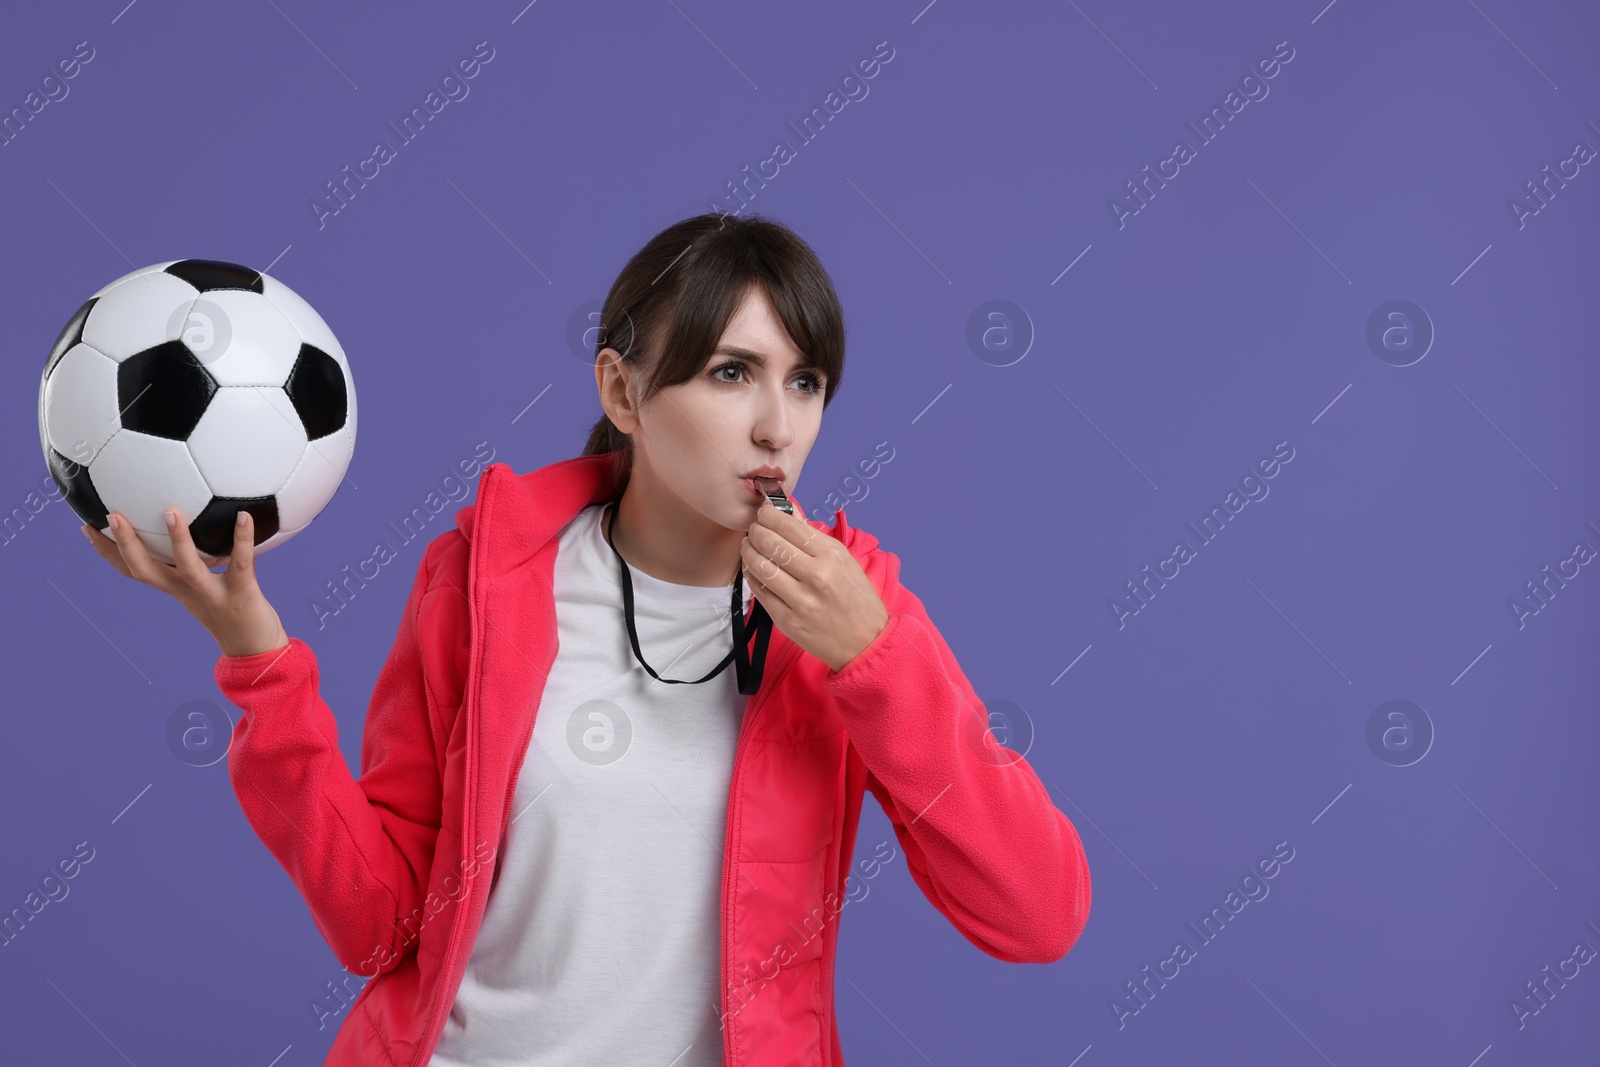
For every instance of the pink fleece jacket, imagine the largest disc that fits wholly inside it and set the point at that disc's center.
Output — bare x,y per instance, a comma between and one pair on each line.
396,866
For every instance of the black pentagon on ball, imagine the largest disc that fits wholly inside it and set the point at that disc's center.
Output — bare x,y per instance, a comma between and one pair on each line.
212,529
316,389
70,335
79,491
163,391
208,274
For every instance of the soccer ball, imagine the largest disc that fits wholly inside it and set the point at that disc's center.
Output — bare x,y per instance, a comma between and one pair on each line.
200,385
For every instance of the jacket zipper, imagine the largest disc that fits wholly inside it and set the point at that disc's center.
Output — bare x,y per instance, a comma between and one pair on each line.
469,799
727,866
746,729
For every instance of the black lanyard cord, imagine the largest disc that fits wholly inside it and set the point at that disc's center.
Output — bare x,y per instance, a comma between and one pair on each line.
747,666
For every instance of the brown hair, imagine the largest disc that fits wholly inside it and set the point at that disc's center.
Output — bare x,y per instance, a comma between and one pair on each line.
677,294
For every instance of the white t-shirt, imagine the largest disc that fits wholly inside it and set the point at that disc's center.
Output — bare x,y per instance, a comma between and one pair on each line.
601,940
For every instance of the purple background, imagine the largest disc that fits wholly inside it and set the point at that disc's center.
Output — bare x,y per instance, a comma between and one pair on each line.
1229,314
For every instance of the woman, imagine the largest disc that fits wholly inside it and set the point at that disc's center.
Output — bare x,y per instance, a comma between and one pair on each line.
529,866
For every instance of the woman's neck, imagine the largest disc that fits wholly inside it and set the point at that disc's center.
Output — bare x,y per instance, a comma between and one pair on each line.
655,533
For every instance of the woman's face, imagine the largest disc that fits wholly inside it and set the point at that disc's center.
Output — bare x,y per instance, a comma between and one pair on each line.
694,441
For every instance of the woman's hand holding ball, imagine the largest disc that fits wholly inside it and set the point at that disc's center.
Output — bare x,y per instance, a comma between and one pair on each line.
230,605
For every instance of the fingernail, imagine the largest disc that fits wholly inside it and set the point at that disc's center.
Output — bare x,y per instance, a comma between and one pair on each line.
239,519
172,517
86,536
111,520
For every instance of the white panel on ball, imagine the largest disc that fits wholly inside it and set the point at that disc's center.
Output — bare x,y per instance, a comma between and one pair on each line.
139,476
80,403
312,329
312,484
159,545
140,273
276,539
139,314
248,442
241,338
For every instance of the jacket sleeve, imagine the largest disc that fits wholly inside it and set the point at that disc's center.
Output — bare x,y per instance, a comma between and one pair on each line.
359,851
981,836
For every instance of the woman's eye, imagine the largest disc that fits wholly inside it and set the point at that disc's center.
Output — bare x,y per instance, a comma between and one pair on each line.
814,382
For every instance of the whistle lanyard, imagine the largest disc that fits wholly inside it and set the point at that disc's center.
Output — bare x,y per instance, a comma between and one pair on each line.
747,666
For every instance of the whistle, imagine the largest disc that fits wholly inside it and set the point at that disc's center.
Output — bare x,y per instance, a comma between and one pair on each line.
775,495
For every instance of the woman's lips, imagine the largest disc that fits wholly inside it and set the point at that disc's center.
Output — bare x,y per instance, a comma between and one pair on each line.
757,485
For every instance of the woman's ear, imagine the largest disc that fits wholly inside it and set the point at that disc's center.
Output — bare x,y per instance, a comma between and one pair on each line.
613,378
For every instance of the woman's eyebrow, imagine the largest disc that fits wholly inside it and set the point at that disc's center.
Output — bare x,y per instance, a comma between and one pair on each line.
758,359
